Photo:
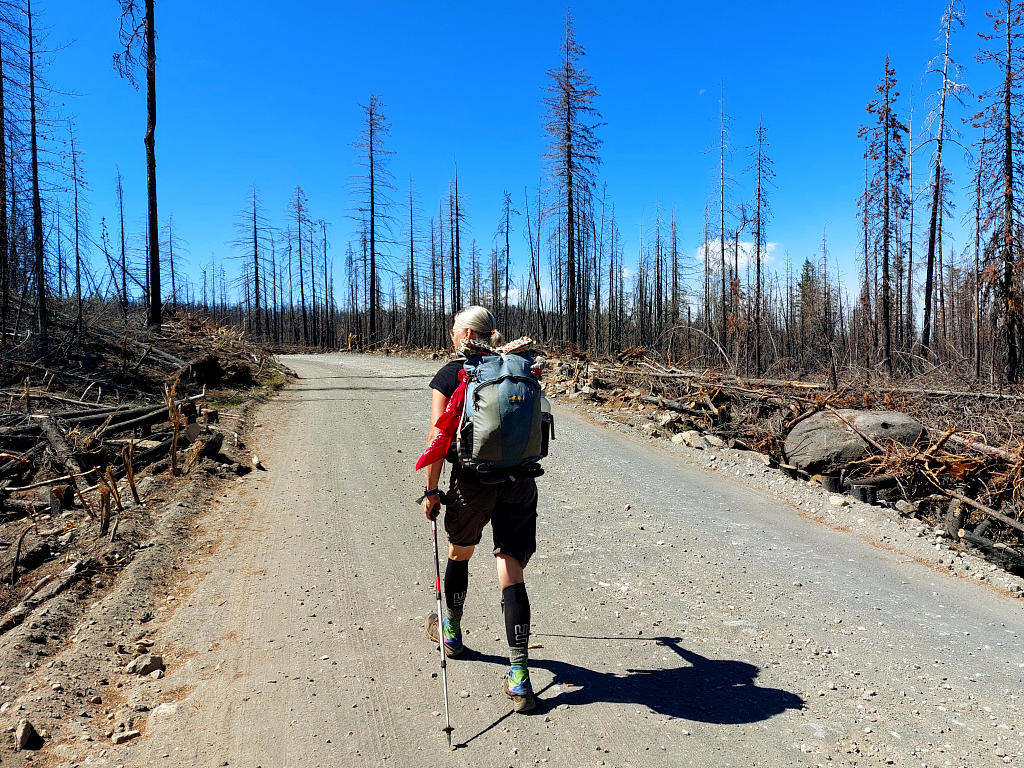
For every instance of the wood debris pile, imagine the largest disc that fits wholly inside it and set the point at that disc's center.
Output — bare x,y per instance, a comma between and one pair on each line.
86,432
968,477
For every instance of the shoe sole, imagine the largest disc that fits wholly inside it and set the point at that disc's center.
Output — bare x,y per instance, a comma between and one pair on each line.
520,704
430,626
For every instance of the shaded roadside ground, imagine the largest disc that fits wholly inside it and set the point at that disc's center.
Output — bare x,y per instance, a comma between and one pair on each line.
708,624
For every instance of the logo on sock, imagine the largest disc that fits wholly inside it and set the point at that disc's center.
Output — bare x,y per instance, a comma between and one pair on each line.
522,634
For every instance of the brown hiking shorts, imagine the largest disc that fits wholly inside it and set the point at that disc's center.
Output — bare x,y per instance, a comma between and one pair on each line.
510,506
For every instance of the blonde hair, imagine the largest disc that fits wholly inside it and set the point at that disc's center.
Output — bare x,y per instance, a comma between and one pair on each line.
479,320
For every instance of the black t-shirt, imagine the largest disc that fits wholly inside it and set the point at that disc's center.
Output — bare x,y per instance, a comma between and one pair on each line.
446,380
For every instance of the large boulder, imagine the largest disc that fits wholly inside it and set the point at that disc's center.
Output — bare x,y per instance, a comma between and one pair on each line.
822,443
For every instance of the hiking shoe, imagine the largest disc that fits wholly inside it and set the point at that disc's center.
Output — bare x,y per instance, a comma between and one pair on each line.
452,634
517,687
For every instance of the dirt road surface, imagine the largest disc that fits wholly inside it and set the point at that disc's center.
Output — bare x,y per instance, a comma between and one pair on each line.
709,624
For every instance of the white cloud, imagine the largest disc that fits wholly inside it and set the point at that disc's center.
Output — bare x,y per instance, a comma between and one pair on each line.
745,257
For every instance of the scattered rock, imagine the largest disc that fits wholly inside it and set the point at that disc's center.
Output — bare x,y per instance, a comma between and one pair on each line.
26,736
906,507
584,393
145,664
693,439
667,419
122,736
679,438
650,429
145,485
838,501
714,440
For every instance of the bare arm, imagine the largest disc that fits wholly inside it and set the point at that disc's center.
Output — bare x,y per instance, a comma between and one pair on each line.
438,403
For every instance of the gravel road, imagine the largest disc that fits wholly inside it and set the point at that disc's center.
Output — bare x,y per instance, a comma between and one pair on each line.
686,617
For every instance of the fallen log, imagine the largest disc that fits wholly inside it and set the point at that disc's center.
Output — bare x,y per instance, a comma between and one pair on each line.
1016,525
150,417
1009,556
97,415
43,591
76,376
44,483
15,464
877,481
146,350
29,558
42,395
673,405
23,505
673,373
974,445
63,450
117,414
23,430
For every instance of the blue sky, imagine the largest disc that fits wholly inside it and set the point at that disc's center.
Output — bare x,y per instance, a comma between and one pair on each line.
268,93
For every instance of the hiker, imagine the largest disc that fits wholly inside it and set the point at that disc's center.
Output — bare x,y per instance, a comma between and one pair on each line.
511,507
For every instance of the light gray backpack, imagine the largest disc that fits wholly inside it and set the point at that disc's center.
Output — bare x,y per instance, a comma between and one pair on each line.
506,421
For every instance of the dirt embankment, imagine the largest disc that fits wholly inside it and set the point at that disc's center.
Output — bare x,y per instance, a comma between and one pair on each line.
109,455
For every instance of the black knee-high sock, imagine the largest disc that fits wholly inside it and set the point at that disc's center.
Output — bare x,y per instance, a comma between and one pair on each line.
456,584
515,605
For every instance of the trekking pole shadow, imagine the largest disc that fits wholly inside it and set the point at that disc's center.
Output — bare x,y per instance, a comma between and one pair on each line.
471,654
501,719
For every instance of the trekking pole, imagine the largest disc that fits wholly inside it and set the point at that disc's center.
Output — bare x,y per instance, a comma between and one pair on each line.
440,635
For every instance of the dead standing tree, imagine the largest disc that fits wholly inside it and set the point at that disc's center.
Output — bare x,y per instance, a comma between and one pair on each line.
169,245
42,319
885,149
952,18
77,185
124,250
572,154
723,329
373,205
764,173
138,36
250,242
410,275
1001,119
10,63
299,209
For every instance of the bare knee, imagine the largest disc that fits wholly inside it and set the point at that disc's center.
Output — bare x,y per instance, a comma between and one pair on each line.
456,552
510,571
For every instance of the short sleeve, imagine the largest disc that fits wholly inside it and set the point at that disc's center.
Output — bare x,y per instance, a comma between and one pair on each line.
446,380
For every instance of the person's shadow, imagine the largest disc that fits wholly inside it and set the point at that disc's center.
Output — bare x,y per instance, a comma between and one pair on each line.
704,690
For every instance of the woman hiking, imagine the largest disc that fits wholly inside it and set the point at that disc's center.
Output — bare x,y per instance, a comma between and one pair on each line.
510,505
